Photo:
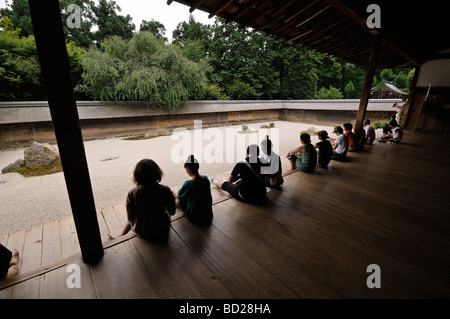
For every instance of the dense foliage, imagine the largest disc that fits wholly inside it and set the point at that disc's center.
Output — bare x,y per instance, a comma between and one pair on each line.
141,69
110,60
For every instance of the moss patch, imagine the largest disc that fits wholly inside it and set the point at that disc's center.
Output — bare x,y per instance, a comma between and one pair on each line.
310,133
40,170
138,137
247,132
143,137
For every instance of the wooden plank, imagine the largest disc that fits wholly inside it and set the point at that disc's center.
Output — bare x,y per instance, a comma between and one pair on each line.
26,290
53,285
16,240
51,243
31,260
32,250
174,270
284,257
237,271
121,213
112,221
314,255
103,227
118,275
69,238
364,225
6,293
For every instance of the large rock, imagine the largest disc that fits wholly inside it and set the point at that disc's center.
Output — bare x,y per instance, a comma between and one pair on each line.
41,155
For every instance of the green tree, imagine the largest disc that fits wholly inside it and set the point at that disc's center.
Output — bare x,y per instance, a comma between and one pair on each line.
19,13
155,27
387,75
410,77
240,57
329,94
192,30
298,73
401,81
110,23
20,76
349,89
81,35
143,68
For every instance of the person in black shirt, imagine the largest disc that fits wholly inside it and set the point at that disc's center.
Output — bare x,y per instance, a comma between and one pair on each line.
245,182
325,149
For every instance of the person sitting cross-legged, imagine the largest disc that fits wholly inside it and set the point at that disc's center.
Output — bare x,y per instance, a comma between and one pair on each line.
306,159
246,182
396,135
340,145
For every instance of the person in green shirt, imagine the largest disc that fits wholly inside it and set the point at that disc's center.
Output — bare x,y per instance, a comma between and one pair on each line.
306,161
195,194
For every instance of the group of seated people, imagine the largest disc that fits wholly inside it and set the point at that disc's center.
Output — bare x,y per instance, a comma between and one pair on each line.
150,204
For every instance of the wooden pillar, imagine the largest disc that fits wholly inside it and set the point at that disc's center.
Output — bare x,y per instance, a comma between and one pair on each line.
412,95
370,72
54,62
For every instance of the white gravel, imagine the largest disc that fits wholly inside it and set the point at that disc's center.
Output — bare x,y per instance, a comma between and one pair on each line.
25,202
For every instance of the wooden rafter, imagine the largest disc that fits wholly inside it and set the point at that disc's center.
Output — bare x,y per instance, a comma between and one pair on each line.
338,5
288,24
197,4
226,5
283,35
251,5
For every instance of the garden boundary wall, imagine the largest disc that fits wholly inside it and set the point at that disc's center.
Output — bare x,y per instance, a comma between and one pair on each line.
24,122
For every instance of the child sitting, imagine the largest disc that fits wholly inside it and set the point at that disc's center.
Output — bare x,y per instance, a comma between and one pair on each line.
351,137
325,149
195,194
149,205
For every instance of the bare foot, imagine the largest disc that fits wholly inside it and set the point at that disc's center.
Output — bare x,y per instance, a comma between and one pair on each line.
15,258
12,271
113,236
13,265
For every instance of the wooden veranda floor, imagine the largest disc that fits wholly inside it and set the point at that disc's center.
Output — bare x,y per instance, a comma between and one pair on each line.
388,205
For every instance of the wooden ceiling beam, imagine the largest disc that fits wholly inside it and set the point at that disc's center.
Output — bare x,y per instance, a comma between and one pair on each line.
299,36
289,18
251,5
303,22
226,5
197,4
338,5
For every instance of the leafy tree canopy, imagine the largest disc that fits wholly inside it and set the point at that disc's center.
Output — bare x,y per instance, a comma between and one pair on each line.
143,68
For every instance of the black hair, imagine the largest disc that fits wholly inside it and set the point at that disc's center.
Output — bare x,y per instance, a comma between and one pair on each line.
348,126
192,164
252,149
393,123
306,138
266,143
368,121
338,129
323,134
147,172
